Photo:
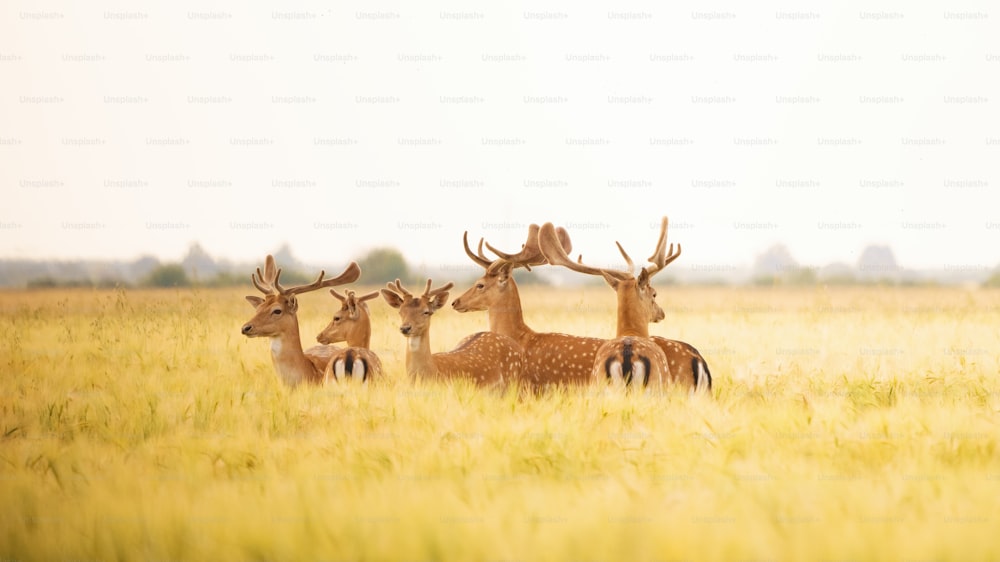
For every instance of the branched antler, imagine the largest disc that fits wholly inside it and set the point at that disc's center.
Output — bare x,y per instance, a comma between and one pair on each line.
397,287
530,254
551,247
269,284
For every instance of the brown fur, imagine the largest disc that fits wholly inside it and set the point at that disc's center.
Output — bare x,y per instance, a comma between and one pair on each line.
275,318
487,359
351,324
636,309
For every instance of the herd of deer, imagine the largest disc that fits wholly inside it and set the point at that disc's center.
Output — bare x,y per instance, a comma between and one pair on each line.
510,352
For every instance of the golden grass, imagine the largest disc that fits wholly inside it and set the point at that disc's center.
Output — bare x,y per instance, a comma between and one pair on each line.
848,424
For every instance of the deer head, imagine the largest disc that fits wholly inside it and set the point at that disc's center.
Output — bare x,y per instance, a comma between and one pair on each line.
415,311
489,289
276,310
632,289
351,322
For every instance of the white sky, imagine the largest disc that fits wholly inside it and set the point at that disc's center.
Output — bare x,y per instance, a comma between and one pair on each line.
917,96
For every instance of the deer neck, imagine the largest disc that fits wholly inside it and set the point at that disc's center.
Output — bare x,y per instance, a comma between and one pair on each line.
631,321
291,363
506,316
419,360
361,336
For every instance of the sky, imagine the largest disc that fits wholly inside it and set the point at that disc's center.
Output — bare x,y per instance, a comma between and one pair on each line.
138,129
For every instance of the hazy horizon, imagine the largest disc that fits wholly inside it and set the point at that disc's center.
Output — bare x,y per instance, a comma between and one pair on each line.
129,131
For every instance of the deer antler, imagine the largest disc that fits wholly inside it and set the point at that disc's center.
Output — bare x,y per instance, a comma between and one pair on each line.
351,301
268,281
660,257
265,282
261,285
367,297
442,289
529,255
552,249
481,260
628,260
397,287
350,275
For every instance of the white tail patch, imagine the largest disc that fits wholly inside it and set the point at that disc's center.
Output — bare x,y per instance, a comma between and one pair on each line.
358,370
615,374
339,369
638,374
702,377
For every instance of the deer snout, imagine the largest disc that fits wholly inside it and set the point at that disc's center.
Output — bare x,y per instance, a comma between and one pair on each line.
406,329
246,329
457,304
323,338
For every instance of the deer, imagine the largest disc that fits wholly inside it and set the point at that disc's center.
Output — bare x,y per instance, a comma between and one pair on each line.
351,324
275,318
633,359
551,359
488,359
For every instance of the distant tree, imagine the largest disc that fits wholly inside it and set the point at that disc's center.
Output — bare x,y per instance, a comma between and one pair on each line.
773,265
775,261
198,263
228,279
837,273
286,260
167,275
43,283
383,265
877,262
993,281
141,267
800,276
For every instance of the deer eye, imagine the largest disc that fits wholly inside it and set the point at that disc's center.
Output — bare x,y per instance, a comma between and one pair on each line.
480,286
427,313
276,311
336,318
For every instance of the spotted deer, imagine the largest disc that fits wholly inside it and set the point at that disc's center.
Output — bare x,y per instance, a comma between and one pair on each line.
486,358
550,359
633,358
351,324
275,318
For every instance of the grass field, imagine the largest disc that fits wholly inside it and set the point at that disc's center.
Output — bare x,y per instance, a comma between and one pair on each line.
847,424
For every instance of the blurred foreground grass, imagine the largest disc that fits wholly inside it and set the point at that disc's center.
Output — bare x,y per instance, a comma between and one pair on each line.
848,424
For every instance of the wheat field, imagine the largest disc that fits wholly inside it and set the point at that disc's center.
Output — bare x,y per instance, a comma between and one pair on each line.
846,424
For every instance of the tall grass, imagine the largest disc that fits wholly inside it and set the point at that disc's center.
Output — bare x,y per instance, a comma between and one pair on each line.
848,424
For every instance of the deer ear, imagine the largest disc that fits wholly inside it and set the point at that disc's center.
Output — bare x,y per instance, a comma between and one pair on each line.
254,301
611,280
391,298
439,301
292,304
352,308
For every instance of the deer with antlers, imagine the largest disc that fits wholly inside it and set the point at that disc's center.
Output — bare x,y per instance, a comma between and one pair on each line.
488,359
550,359
351,324
276,319
632,358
